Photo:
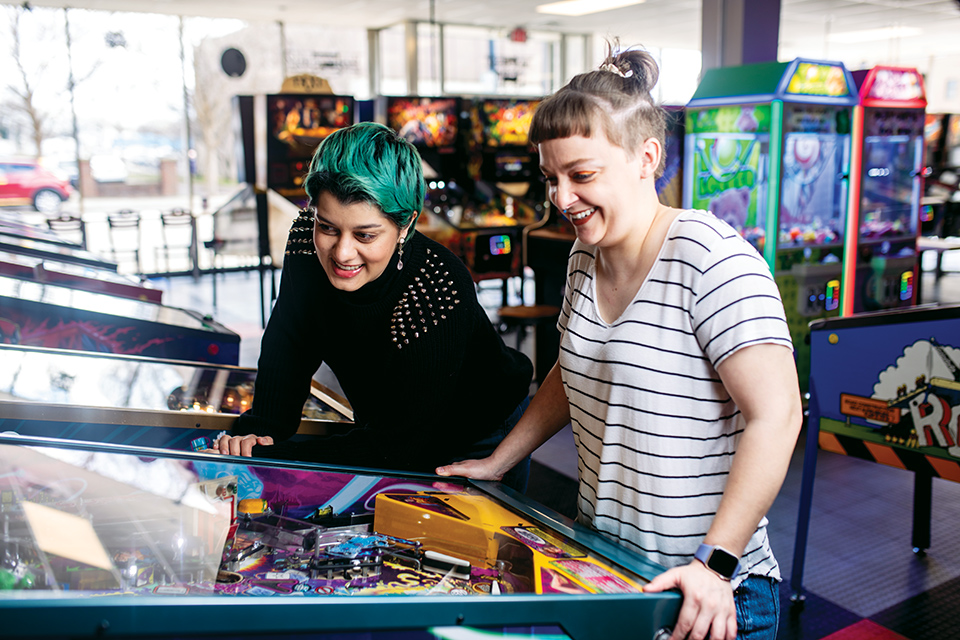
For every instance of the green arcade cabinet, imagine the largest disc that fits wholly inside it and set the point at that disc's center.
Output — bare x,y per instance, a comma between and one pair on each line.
768,151
887,166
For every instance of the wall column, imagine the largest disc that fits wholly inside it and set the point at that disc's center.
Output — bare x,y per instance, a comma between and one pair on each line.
737,32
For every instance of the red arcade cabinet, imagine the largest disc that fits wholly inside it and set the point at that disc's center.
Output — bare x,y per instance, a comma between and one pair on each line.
886,167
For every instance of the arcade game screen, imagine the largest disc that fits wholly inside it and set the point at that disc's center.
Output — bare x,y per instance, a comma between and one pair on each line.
86,522
726,152
425,122
505,122
812,197
889,188
297,124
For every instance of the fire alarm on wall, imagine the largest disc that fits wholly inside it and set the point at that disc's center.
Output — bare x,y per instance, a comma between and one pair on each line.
518,35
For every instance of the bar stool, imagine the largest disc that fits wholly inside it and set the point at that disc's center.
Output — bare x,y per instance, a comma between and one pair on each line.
179,229
66,225
125,235
524,316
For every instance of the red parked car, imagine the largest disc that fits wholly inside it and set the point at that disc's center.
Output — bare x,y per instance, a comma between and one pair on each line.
26,183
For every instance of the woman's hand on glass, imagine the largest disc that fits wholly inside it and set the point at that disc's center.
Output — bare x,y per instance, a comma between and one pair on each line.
482,469
238,445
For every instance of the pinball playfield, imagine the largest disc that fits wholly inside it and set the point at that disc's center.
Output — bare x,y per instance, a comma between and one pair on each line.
135,536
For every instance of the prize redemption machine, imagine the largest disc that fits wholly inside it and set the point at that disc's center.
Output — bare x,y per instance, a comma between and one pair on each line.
123,399
483,183
131,540
881,269
768,151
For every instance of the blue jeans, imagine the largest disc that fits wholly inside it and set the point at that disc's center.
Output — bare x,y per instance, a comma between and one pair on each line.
517,477
758,608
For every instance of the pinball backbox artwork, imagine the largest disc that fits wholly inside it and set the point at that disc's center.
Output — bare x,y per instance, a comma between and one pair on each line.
886,387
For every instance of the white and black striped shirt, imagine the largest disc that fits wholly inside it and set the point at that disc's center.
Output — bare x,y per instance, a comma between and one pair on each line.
655,429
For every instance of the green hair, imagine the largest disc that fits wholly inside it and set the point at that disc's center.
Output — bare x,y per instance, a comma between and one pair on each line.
369,162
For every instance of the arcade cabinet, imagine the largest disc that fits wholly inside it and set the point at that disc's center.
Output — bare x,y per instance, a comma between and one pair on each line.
483,183
297,124
670,184
135,400
509,193
38,314
433,126
768,151
940,215
276,137
886,190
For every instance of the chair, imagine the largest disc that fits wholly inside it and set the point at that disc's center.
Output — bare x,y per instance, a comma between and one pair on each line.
67,225
524,316
125,235
179,233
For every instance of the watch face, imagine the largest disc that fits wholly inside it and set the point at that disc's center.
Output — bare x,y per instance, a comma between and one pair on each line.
723,562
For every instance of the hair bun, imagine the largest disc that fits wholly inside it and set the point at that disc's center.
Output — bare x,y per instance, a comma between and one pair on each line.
632,63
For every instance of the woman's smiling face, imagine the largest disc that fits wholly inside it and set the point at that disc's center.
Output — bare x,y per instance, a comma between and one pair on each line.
594,183
354,242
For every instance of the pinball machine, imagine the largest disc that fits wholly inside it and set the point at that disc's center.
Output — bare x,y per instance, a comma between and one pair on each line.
48,315
47,248
77,276
122,541
151,402
483,185
884,388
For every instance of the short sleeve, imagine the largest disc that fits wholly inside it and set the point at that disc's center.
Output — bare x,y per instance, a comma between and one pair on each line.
737,303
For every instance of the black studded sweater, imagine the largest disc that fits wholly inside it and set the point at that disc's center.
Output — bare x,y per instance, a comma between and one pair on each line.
415,353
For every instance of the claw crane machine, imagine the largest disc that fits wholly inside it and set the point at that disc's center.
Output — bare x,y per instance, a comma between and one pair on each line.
887,165
767,149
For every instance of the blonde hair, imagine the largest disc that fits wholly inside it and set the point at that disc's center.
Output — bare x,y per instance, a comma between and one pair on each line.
615,99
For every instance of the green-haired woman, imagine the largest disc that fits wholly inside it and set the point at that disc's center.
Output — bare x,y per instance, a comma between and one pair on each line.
393,314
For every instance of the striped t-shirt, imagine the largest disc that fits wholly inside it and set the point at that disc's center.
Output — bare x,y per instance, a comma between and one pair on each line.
655,429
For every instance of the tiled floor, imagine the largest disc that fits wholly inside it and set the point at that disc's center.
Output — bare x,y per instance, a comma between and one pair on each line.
861,577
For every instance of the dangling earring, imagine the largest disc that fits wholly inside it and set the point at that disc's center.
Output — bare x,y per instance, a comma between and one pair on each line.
400,254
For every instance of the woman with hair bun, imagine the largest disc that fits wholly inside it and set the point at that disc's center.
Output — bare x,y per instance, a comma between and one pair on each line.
676,367
395,316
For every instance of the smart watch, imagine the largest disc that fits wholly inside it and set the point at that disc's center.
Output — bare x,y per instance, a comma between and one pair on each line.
719,560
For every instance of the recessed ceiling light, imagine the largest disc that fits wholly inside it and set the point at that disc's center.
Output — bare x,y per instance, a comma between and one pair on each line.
872,35
583,7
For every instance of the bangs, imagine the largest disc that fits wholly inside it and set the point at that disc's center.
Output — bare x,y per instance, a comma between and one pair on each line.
563,115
